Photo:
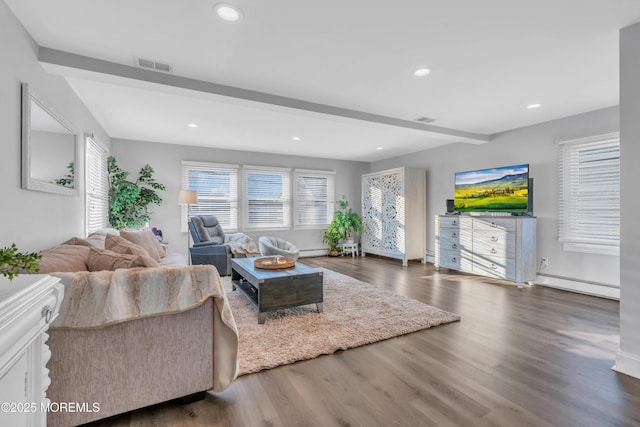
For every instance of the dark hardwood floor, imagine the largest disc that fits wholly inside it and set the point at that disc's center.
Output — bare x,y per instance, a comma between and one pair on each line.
519,357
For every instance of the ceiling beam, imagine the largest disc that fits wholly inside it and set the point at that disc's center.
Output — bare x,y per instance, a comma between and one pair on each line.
78,62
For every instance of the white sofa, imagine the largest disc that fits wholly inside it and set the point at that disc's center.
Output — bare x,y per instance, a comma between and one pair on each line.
135,337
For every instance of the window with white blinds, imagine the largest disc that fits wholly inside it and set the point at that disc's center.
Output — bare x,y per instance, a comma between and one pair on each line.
267,197
589,194
217,188
97,186
313,198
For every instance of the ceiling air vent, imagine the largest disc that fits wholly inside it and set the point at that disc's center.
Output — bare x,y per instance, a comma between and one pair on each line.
153,65
425,120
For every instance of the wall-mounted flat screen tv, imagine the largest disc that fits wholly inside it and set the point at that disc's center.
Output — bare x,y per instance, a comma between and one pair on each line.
504,189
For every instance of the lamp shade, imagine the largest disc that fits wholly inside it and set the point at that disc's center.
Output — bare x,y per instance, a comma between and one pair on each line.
188,197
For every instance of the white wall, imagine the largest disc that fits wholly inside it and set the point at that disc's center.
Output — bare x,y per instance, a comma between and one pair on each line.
166,159
31,219
628,357
535,145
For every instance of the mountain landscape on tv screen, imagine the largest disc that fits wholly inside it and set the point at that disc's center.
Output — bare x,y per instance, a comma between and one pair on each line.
506,194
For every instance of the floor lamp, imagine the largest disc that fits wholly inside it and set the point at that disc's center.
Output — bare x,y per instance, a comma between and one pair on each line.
188,197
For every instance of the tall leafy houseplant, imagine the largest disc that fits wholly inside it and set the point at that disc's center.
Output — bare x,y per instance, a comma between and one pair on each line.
345,223
129,200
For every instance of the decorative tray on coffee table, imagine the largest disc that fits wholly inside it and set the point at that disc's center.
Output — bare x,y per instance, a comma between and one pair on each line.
274,263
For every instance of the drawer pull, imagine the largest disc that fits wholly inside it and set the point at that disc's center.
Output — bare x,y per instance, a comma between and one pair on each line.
47,313
494,225
454,259
494,239
493,266
454,246
454,234
493,251
454,222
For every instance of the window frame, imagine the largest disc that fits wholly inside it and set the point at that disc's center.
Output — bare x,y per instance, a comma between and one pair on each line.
223,168
571,233
297,200
101,196
286,197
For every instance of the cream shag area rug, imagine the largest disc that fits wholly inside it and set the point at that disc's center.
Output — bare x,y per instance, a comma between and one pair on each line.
355,313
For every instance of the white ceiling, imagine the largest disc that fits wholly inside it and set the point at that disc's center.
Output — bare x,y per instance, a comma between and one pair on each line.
489,60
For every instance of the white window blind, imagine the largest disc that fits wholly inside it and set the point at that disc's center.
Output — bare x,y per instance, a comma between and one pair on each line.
217,188
97,186
267,197
589,194
313,198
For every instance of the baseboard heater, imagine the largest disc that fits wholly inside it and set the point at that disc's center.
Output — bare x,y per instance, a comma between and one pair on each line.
588,287
306,253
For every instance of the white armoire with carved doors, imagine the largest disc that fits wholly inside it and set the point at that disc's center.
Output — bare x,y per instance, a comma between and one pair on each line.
394,214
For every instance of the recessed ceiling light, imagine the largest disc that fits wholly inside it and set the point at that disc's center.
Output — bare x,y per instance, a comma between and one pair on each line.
192,125
380,148
532,106
296,138
421,72
228,12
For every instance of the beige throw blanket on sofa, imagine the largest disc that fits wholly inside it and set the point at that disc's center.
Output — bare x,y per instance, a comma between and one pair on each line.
240,243
101,298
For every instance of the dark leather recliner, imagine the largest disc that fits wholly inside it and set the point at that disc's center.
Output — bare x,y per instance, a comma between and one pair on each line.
208,244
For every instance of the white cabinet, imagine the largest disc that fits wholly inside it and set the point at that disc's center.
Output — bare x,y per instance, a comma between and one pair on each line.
28,304
502,247
394,214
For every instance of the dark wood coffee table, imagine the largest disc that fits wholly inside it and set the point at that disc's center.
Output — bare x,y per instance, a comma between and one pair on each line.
271,290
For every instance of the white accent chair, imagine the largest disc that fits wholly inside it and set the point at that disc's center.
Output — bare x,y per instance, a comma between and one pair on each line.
272,246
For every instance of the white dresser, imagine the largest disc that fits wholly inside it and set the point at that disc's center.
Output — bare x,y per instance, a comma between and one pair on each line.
28,304
394,214
502,247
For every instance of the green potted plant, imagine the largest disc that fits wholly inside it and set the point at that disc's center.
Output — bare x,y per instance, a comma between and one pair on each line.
349,221
345,223
332,236
13,262
129,200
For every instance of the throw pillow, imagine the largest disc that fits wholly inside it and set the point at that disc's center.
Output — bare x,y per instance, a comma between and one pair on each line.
102,259
162,250
120,245
64,258
77,241
97,238
144,237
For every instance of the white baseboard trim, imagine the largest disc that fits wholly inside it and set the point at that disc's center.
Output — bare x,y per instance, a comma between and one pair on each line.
431,259
580,287
628,364
306,253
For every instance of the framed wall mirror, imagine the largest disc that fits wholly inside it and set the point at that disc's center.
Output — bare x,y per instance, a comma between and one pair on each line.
49,147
